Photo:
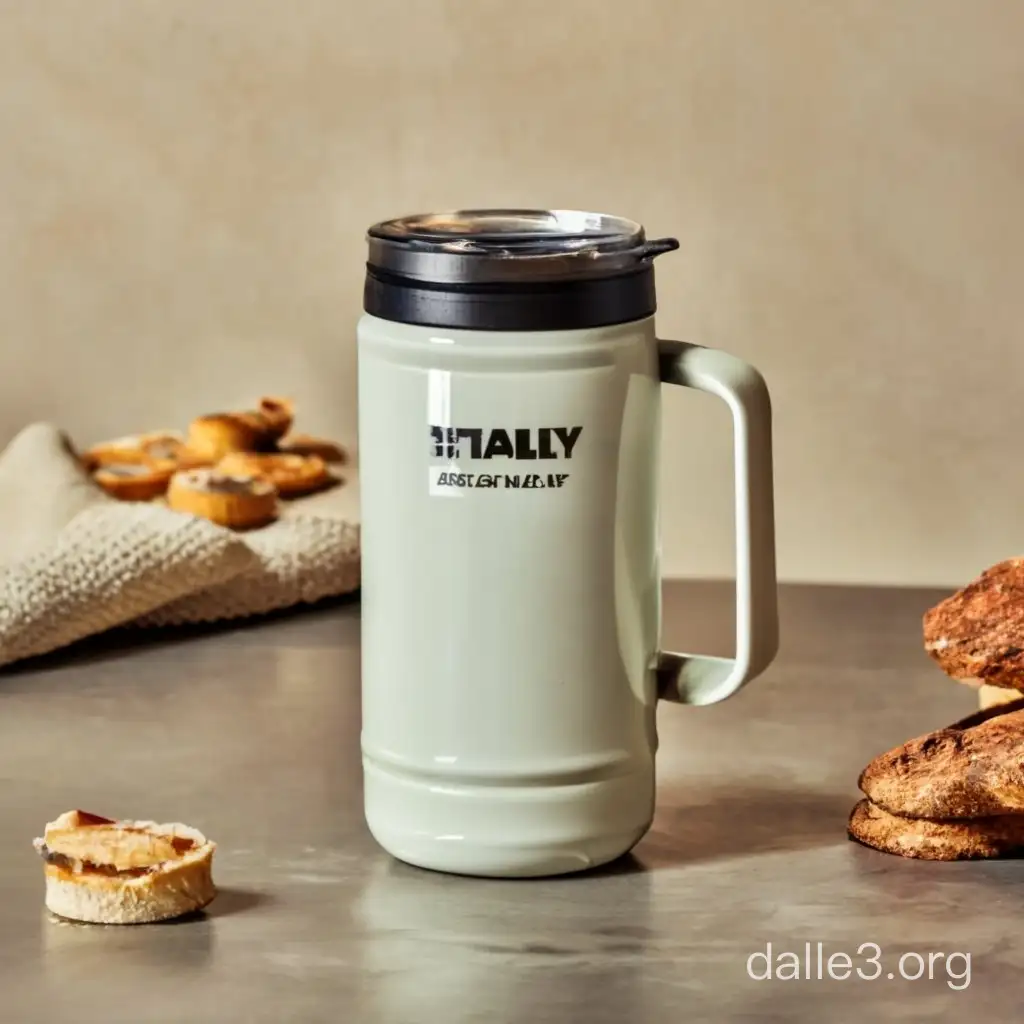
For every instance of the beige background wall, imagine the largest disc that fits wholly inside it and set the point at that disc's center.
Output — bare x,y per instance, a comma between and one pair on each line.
184,186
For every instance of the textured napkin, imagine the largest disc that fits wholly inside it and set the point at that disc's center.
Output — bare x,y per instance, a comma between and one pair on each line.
75,562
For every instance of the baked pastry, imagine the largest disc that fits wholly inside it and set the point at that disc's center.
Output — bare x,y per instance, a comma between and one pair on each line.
124,872
305,444
277,414
977,634
241,502
291,475
162,445
135,478
1000,836
212,437
972,769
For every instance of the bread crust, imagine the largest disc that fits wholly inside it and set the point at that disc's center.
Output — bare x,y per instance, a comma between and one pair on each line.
971,769
977,634
292,475
243,502
155,872
982,838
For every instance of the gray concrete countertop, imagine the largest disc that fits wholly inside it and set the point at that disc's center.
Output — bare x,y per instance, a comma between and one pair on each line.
251,735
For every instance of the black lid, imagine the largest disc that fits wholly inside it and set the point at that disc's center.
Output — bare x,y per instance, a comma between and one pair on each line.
506,269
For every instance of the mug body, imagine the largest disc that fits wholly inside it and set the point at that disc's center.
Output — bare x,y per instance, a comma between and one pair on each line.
510,593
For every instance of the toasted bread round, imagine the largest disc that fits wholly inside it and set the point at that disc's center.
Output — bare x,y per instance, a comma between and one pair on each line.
103,871
916,838
134,477
161,445
306,444
212,437
292,475
241,502
277,414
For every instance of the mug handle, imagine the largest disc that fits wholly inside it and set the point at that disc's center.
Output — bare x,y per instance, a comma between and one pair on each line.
697,678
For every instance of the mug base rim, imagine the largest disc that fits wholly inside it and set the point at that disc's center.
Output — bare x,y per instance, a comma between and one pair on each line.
505,860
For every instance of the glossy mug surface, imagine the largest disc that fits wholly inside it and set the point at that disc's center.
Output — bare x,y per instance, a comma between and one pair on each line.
511,586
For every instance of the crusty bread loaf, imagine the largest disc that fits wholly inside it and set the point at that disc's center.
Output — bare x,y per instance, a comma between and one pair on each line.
971,769
124,872
872,826
977,634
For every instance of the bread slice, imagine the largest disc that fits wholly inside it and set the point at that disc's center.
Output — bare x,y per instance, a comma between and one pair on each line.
307,444
213,436
293,476
237,502
161,445
971,769
983,838
977,634
124,872
140,480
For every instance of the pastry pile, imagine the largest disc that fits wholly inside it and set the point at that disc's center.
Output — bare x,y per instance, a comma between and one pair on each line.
953,794
958,793
231,468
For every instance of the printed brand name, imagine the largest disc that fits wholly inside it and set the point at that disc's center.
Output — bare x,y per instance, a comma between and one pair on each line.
527,481
520,444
